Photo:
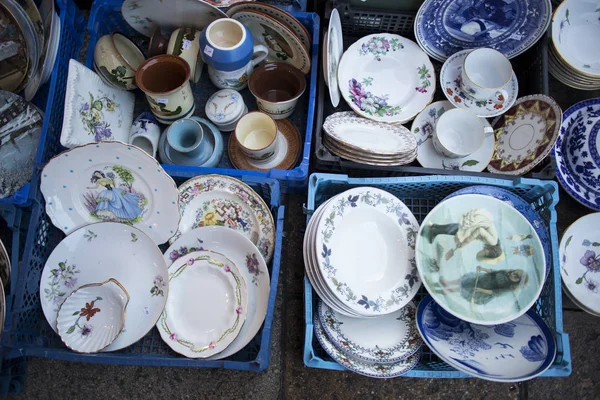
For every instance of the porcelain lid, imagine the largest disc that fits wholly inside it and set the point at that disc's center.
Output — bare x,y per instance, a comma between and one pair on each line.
224,107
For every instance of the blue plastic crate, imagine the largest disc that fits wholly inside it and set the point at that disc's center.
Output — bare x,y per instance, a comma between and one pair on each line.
106,17
12,375
29,334
51,96
421,194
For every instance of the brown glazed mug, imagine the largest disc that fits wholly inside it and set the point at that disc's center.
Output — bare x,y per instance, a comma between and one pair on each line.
165,81
158,43
277,86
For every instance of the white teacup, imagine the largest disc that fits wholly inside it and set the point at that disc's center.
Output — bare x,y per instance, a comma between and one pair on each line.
256,132
485,73
458,133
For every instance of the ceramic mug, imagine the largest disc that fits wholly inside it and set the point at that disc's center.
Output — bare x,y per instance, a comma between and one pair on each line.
165,81
116,60
185,43
458,133
158,43
485,73
256,133
186,137
277,86
145,133
227,47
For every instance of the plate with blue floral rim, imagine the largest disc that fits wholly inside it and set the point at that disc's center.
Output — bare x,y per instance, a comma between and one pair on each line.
451,85
525,209
444,27
480,259
207,305
576,153
243,253
222,200
97,253
386,78
579,253
110,182
514,351
373,370
365,247
423,127
385,339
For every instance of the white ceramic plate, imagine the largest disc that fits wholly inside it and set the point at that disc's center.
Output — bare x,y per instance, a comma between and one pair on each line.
575,33
97,253
423,128
335,49
221,200
368,227
52,50
144,15
110,182
207,305
386,78
243,253
4,264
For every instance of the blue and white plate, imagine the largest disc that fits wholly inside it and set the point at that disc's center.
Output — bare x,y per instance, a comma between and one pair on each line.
521,206
577,155
444,27
510,352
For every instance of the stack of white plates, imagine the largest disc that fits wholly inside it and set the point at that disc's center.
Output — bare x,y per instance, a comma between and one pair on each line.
359,253
574,56
368,142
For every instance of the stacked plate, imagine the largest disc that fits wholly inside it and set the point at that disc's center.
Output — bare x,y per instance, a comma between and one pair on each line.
574,56
369,142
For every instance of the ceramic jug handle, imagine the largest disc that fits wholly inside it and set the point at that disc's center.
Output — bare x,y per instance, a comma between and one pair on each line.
258,57
489,131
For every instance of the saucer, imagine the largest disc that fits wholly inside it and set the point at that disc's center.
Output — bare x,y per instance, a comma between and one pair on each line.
169,156
288,150
450,82
423,127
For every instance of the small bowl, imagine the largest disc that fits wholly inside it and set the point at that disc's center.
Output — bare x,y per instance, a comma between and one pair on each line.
92,317
277,87
158,43
116,59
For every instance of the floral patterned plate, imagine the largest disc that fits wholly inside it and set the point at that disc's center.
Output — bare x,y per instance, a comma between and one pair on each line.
334,49
207,305
97,253
423,127
365,242
221,200
514,351
451,82
94,111
385,339
386,78
579,253
110,182
373,370
243,253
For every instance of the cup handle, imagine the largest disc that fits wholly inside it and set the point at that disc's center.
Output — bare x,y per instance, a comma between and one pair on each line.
259,48
489,131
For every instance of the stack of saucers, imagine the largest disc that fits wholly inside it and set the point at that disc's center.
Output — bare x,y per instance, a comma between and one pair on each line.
368,142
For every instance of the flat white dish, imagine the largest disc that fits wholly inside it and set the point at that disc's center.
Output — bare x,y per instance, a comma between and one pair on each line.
243,253
368,226
110,182
451,81
207,305
335,49
579,253
53,46
97,253
94,111
92,316
373,370
144,15
575,33
423,128
385,339
386,77
221,200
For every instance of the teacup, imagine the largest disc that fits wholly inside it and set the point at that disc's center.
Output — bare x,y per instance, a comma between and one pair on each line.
165,81
228,48
277,86
145,133
485,73
185,43
186,137
458,133
255,133
116,59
